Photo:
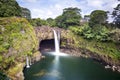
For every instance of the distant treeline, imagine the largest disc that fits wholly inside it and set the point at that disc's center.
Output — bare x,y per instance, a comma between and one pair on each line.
70,16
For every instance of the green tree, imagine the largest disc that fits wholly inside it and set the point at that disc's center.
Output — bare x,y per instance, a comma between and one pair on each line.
51,22
98,18
38,22
70,17
9,8
59,21
116,15
26,13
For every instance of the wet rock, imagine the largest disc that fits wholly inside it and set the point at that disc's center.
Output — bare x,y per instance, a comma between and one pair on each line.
107,67
114,68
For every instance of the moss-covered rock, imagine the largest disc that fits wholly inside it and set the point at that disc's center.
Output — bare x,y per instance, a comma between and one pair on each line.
17,40
16,72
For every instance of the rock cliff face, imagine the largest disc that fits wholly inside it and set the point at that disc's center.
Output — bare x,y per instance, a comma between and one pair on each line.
45,32
17,40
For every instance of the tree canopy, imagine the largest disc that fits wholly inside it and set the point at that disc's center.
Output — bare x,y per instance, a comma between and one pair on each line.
116,15
26,13
98,17
38,22
9,8
70,16
51,22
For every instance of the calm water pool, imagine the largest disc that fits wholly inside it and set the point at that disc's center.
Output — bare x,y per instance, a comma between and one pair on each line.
68,68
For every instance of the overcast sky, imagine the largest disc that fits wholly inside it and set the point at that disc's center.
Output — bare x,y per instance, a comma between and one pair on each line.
52,8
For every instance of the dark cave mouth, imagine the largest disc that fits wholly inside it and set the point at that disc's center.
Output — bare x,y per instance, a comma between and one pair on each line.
46,45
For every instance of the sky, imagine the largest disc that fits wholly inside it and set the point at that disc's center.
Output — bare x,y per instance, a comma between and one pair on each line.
52,8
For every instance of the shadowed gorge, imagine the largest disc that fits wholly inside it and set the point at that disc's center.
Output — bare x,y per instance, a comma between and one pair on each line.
47,45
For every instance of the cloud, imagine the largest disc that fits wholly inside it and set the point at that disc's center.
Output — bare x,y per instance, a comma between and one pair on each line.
53,8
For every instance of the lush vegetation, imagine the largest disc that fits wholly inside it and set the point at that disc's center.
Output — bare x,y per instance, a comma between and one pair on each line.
97,18
103,48
89,33
103,44
17,40
38,22
116,15
51,22
70,16
97,37
9,8
26,13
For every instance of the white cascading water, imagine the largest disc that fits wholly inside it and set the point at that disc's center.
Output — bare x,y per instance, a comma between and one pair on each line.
27,62
56,42
57,45
30,62
59,37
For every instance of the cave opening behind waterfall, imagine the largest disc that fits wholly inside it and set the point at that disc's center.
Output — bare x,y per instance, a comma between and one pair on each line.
46,45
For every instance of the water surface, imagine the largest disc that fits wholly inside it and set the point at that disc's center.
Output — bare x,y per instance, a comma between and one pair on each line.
68,68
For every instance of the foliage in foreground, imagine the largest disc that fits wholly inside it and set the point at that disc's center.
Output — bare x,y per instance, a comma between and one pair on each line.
17,39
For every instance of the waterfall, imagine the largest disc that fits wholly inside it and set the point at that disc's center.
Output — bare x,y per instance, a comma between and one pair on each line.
27,62
59,37
30,62
57,45
56,42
